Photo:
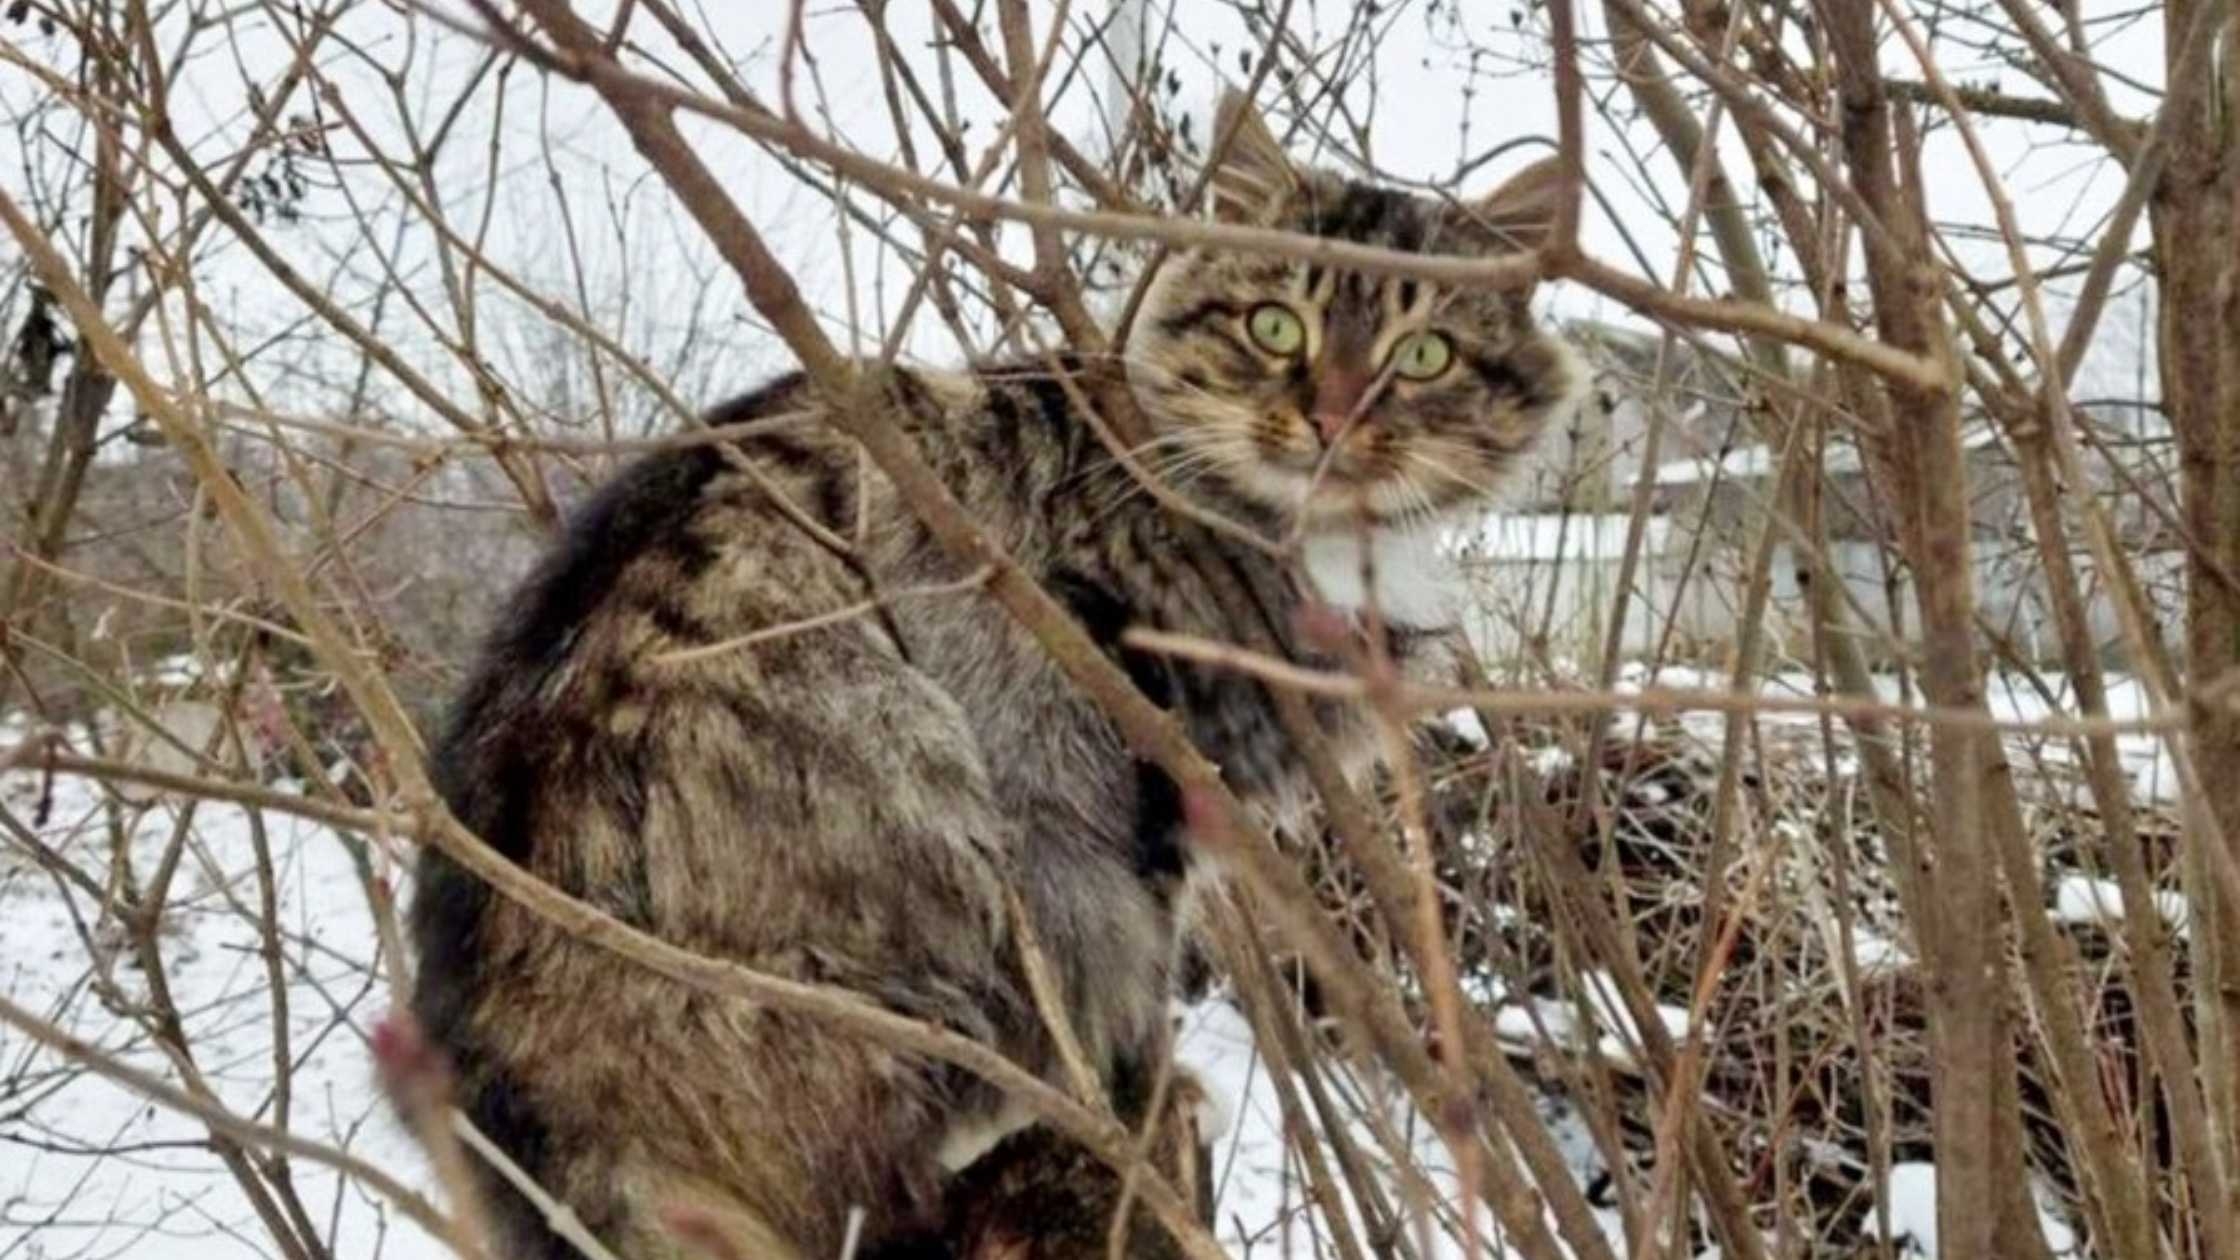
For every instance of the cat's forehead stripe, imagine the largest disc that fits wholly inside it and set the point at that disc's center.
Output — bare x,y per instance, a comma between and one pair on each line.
1268,272
1368,214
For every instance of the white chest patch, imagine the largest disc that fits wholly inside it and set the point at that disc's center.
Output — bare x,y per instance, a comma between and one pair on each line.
1407,576
968,1139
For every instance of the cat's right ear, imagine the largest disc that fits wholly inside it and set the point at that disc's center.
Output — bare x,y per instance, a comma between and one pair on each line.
1251,175
1521,214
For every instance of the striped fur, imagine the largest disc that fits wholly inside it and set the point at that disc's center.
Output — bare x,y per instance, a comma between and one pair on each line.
846,804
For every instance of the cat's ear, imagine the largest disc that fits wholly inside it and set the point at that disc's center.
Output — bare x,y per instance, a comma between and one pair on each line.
1521,213
1251,174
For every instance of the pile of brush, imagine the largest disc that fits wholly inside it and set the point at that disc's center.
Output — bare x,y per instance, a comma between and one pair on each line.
1766,926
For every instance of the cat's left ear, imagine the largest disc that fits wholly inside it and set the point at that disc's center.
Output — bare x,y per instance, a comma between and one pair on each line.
1251,175
1521,213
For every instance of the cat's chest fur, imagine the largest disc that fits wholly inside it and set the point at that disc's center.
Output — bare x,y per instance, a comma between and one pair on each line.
1043,486
1406,575
1099,847
1051,748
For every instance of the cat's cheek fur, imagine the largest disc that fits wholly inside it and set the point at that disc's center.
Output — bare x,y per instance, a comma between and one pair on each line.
1405,572
1577,376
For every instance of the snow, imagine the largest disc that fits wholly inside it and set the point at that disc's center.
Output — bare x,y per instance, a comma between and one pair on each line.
1260,1189
1609,1031
1261,1192
1912,1204
182,670
2081,900
1875,952
1465,722
1912,1208
90,1168
1622,1035
87,1168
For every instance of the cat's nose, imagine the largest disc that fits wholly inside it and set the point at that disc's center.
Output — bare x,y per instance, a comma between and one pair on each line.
1337,395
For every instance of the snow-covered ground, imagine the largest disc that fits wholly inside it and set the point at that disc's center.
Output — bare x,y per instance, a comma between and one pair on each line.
89,1169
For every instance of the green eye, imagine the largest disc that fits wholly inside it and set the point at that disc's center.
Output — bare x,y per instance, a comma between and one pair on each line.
1276,328
1423,356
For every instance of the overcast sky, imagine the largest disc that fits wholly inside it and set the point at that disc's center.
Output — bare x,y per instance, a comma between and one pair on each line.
1429,98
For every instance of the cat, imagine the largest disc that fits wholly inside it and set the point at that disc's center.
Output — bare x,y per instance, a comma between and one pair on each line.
845,803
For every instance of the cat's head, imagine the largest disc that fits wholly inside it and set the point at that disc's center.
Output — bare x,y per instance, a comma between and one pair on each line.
1327,394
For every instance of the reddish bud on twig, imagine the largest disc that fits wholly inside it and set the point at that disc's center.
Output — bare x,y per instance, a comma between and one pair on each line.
698,1232
1000,1245
1206,820
1323,627
267,713
42,809
412,1071
1459,1115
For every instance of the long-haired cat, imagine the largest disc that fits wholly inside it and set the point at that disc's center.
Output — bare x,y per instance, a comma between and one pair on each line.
844,803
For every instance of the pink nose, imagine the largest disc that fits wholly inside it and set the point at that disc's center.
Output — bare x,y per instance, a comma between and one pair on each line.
1337,395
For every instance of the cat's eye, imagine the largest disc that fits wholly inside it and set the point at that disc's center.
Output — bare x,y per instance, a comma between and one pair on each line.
1277,329
1423,356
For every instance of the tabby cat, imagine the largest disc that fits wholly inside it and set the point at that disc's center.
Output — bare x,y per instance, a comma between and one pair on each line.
844,804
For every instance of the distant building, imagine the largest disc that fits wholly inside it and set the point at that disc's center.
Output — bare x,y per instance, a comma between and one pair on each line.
1548,574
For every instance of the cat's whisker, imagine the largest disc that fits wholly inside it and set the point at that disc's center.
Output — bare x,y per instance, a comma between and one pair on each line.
1174,474
1178,469
1167,374
1444,474
1417,507
1177,437
1183,440
1476,489
1450,457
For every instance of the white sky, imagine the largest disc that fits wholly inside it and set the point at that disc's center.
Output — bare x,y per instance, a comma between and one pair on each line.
1424,106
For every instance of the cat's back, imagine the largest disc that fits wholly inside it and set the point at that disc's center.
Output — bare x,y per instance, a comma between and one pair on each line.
526,706
679,720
